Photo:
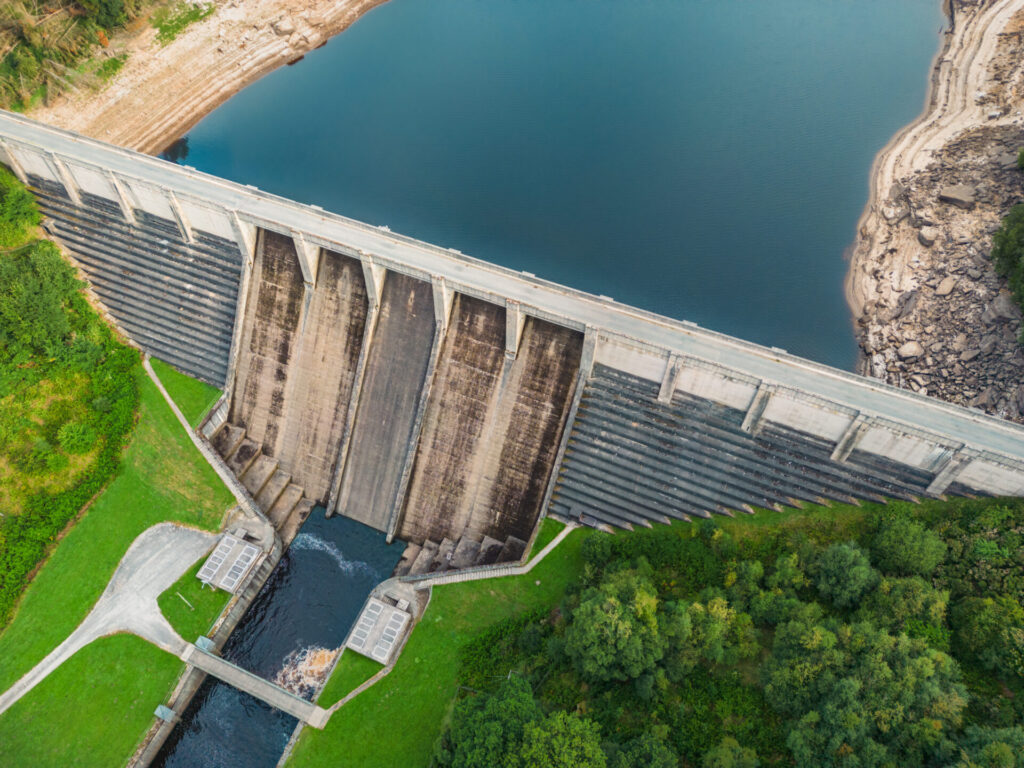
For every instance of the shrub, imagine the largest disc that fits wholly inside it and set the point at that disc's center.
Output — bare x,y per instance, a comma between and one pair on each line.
76,438
904,547
844,575
1008,251
18,212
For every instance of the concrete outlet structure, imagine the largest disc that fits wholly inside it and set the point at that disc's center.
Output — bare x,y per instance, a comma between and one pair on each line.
451,402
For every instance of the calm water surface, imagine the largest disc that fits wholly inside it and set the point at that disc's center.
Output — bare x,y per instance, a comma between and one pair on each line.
705,159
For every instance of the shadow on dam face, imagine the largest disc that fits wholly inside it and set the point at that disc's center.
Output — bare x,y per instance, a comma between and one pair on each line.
396,371
491,429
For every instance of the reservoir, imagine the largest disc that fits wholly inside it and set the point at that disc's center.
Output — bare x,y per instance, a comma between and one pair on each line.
704,159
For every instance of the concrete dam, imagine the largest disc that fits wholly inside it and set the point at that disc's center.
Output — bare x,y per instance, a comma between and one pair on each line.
452,403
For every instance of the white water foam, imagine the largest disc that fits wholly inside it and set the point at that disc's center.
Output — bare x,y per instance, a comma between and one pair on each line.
306,669
309,541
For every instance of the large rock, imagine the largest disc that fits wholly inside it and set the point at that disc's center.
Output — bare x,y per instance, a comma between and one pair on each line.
1001,308
969,354
283,27
909,350
960,195
946,286
927,236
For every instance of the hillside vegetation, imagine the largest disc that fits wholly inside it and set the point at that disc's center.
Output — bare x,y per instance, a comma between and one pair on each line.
68,394
888,636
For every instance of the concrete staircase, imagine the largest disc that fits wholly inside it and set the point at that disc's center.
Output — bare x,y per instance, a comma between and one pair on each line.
449,555
283,501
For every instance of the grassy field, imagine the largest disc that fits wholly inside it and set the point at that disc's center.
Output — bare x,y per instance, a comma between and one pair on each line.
193,397
206,604
419,691
163,477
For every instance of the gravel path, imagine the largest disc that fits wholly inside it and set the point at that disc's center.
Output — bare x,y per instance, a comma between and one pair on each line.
153,563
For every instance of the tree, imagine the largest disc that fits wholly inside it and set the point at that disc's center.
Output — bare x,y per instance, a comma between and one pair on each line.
487,730
1008,250
729,754
18,212
895,603
651,750
562,741
990,631
904,547
844,575
614,632
35,285
991,748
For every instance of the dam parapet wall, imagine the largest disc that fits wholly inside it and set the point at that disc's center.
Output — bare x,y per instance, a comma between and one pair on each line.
437,368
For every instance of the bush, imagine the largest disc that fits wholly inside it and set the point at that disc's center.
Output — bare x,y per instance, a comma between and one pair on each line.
844,575
903,547
77,438
1008,251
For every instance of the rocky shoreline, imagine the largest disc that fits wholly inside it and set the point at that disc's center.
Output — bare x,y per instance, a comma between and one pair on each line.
931,313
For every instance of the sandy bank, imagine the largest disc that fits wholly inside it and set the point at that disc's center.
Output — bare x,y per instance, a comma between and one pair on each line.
931,313
162,91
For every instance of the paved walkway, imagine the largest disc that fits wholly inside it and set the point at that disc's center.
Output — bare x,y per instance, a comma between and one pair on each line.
153,563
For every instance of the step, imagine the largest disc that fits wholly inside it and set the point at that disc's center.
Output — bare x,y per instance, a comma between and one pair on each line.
227,439
298,516
273,488
256,476
425,559
512,550
284,505
465,552
442,560
243,457
490,548
412,550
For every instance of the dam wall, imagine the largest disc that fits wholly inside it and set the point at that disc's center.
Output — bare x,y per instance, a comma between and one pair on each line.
441,396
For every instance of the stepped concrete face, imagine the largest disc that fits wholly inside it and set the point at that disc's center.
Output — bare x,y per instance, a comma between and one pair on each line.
174,297
430,394
396,372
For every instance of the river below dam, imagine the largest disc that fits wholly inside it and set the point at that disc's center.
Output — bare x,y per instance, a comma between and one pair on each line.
705,159
289,635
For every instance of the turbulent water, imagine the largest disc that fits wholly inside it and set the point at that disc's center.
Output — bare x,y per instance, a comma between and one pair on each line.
706,159
290,635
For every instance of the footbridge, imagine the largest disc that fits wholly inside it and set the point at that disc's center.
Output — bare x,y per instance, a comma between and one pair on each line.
256,686
451,402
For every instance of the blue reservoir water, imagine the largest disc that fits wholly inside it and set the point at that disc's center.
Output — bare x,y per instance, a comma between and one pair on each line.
705,159
305,608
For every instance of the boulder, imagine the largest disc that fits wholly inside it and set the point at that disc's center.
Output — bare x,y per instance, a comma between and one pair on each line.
283,27
946,286
969,354
960,195
988,344
960,342
905,304
927,236
1002,307
910,349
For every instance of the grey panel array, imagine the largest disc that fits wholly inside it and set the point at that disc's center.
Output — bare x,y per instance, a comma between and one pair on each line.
632,460
175,299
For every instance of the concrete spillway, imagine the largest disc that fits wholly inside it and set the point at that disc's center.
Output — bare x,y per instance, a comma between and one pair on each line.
466,386
491,429
269,340
396,372
323,374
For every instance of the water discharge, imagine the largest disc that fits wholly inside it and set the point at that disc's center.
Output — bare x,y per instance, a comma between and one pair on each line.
301,614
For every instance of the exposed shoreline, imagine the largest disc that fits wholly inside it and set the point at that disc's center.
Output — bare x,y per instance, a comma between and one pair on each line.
163,91
931,314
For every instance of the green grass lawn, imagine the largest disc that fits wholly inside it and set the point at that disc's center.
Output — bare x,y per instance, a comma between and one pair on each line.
162,477
92,710
352,671
192,396
206,604
412,702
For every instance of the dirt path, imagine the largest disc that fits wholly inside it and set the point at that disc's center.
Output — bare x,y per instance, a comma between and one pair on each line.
162,91
152,564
